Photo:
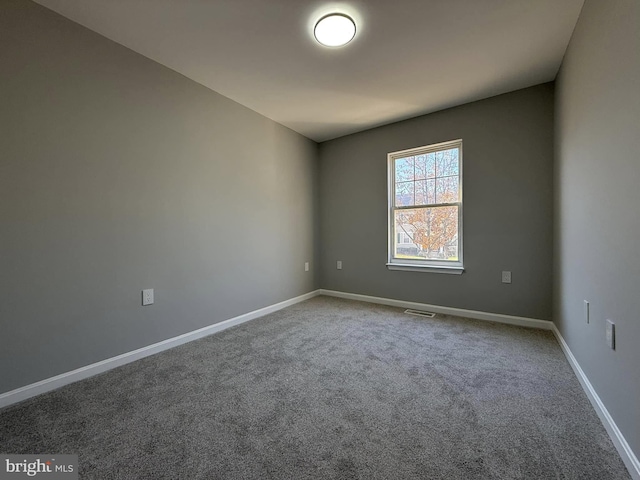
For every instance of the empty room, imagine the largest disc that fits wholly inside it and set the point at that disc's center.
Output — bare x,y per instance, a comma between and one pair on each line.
362,239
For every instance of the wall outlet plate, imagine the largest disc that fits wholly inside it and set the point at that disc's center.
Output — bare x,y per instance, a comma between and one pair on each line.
147,296
611,334
506,277
306,266
586,311
339,265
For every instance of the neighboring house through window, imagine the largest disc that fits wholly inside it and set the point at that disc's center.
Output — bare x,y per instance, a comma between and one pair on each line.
425,208
404,238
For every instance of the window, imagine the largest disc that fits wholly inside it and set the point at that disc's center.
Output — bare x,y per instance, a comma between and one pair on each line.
404,237
425,208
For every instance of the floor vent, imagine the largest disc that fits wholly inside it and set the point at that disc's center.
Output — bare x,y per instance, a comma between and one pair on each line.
419,313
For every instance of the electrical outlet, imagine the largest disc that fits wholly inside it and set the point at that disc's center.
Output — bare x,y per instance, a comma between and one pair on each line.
611,334
586,311
339,265
506,277
306,266
147,296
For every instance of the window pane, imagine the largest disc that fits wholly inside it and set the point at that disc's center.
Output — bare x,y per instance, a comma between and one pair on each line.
431,165
425,191
404,169
447,162
447,190
420,167
434,231
404,194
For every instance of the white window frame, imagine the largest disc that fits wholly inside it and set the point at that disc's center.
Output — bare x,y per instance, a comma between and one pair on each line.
426,265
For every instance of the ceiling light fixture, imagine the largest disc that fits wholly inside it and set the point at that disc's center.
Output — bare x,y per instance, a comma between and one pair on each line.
335,30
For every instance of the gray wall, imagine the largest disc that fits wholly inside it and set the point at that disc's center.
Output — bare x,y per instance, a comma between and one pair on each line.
118,174
598,203
508,165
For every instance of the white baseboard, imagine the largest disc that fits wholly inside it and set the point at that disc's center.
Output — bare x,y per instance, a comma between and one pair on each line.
628,457
43,386
460,312
81,373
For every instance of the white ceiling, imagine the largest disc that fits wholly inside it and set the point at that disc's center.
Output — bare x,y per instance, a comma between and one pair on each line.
409,57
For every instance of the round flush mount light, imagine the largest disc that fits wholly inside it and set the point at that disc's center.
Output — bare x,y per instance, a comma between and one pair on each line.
335,30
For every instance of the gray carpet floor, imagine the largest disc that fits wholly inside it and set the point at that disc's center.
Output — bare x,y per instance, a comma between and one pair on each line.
330,388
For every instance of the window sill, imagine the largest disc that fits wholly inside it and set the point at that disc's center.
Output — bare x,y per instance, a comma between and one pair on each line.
451,270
